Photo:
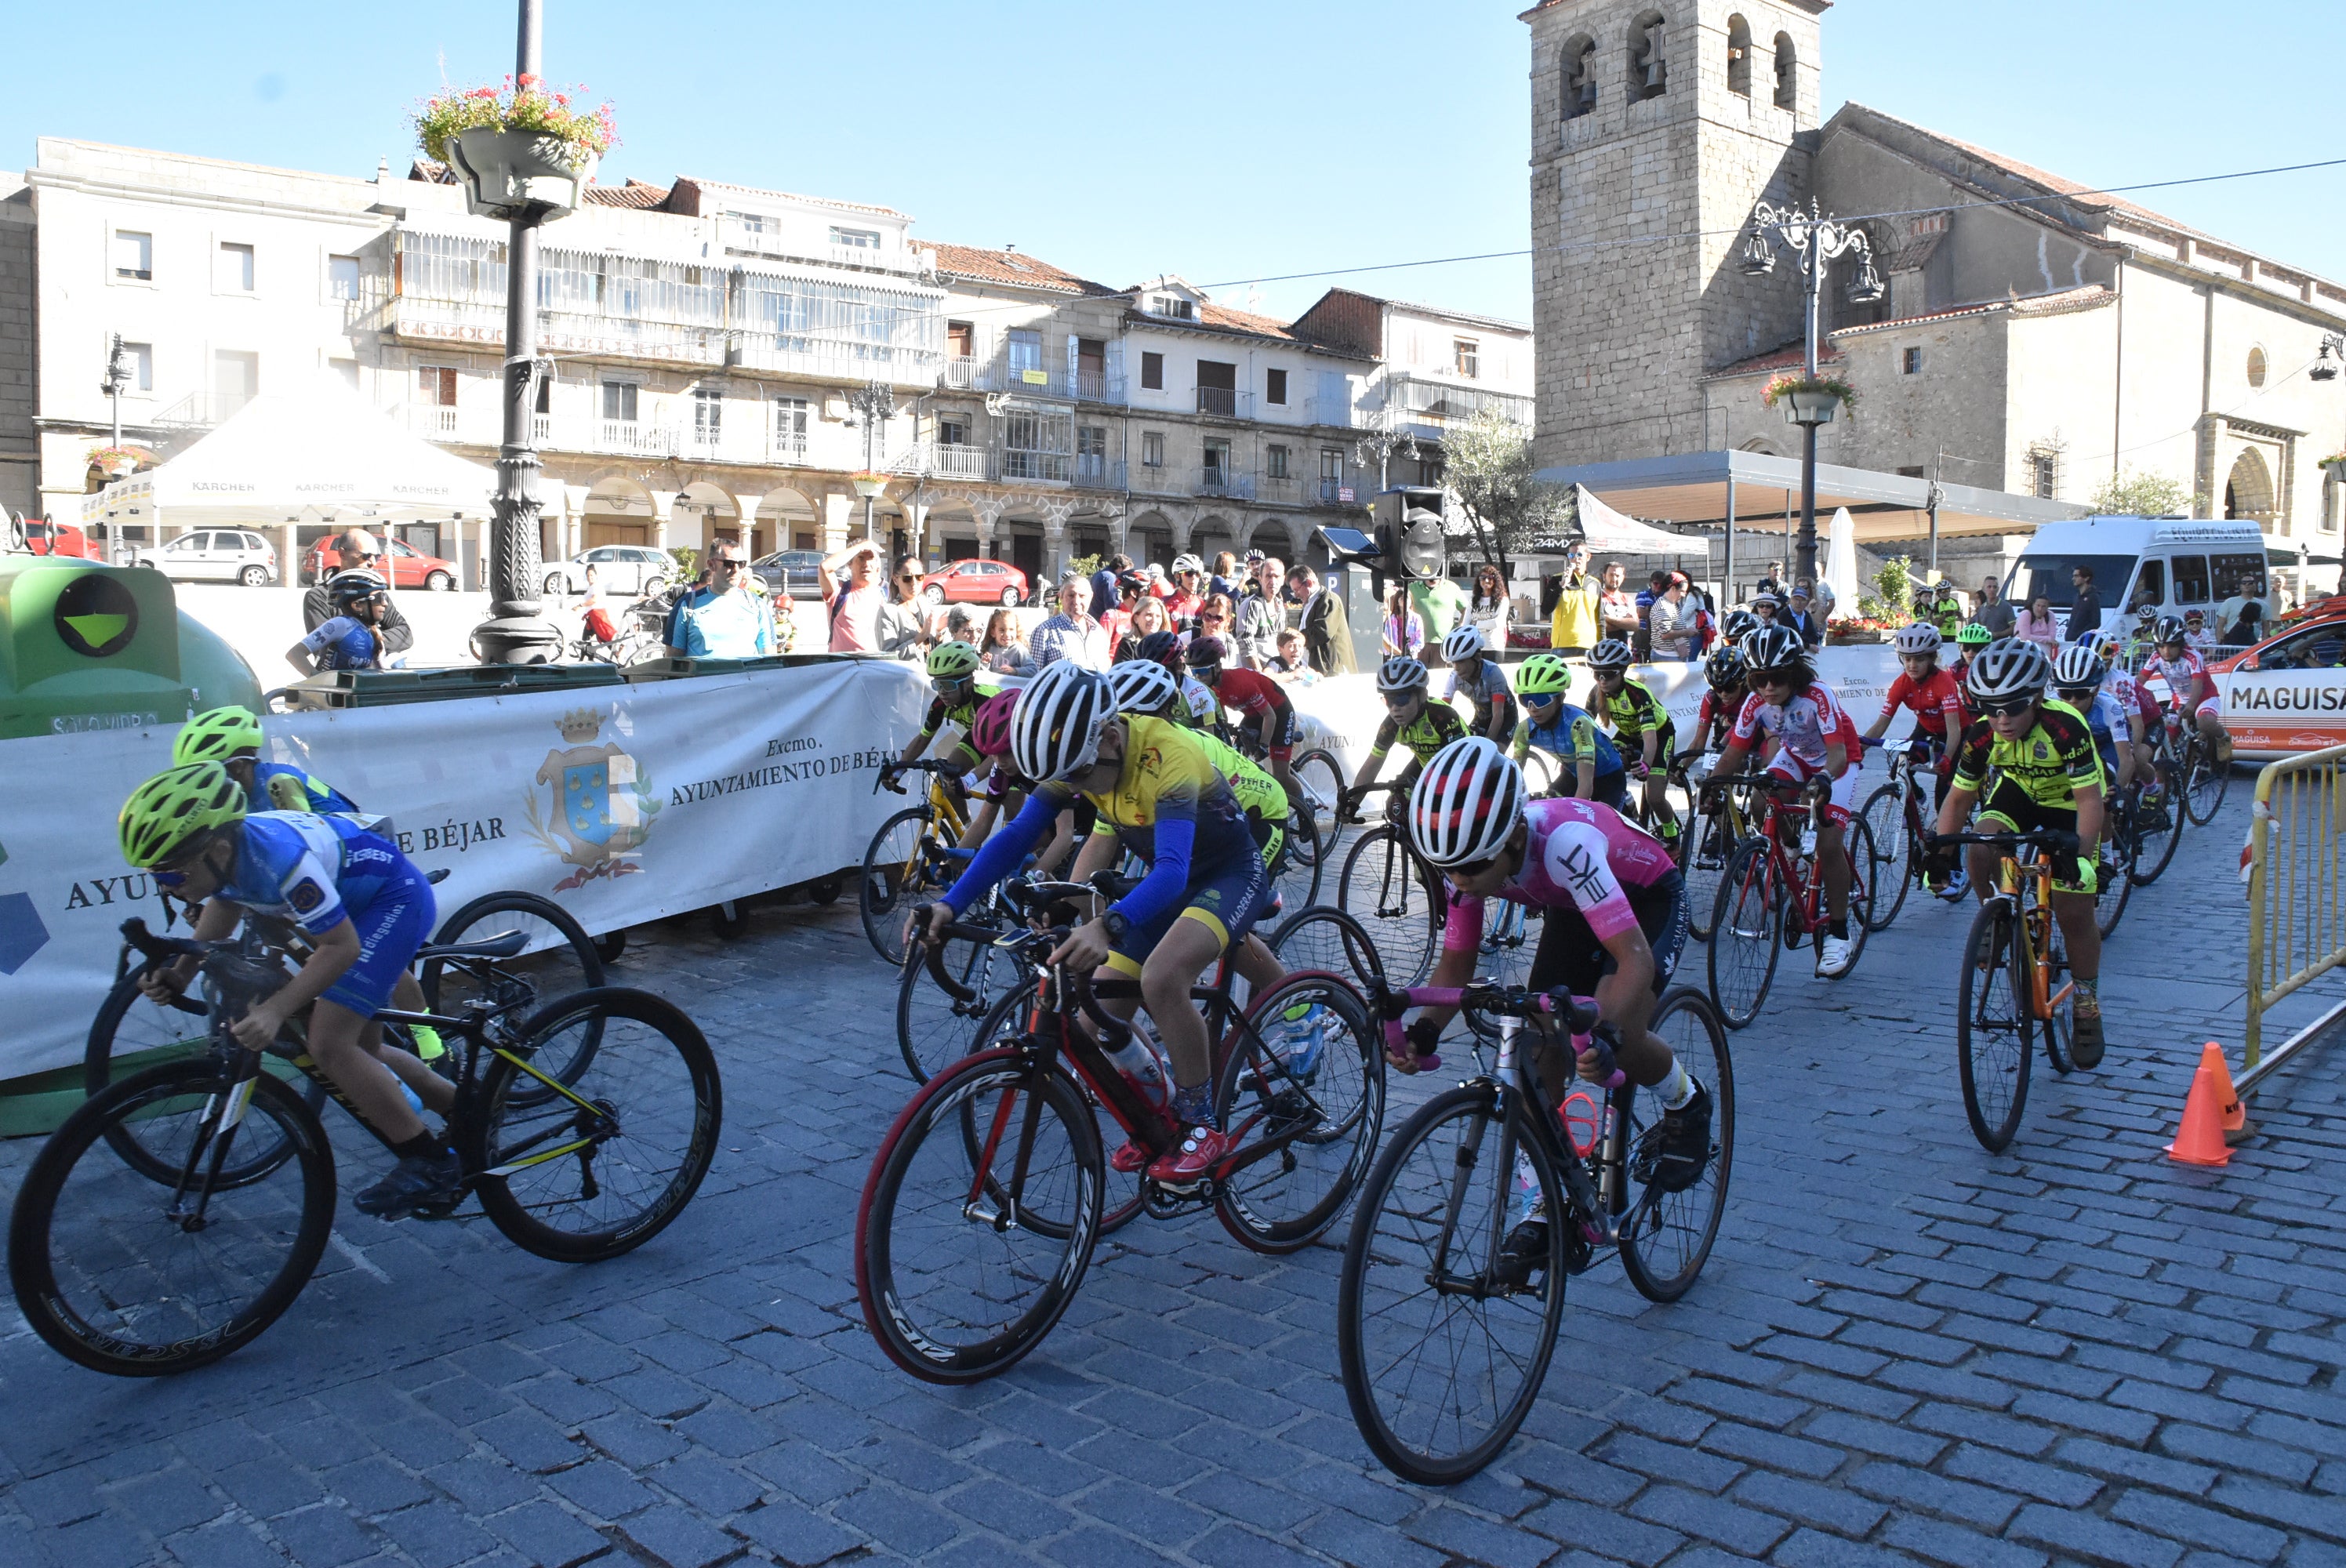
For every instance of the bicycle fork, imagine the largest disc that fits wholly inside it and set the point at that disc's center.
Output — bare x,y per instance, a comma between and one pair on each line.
216,1129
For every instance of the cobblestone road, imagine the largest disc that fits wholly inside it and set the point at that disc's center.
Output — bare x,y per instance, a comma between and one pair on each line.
1903,1350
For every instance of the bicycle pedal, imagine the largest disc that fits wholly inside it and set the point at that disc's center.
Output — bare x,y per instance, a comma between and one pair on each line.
436,1211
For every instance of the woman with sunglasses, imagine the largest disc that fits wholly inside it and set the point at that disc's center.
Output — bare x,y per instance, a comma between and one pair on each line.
1148,620
365,907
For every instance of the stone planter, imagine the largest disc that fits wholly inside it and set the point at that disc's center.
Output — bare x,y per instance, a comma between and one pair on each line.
512,175
1810,407
1854,638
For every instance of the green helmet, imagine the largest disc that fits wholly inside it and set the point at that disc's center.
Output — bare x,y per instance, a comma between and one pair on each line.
173,807
1972,634
953,661
215,736
1543,675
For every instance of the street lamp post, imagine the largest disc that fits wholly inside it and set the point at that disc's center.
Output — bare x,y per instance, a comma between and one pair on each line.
1814,241
1381,440
872,402
117,376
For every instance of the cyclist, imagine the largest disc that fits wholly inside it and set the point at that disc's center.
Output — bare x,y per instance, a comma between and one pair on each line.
2080,680
351,637
1199,707
1410,721
1970,637
1739,624
231,738
1002,789
365,908
1641,727
2191,689
2144,643
1728,678
953,676
1476,673
1188,574
1269,724
1933,698
2196,635
2048,775
1616,925
1157,792
1817,747
2144,730
1592,768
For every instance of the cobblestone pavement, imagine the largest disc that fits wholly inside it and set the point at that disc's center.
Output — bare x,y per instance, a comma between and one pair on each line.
1903,1349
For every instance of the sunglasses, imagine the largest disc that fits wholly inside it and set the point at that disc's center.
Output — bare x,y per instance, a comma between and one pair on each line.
1470,869
946,685
1401,698
2009,707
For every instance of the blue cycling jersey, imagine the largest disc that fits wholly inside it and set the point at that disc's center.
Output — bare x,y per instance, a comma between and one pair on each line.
300,792
1569,733
2106,719
316,871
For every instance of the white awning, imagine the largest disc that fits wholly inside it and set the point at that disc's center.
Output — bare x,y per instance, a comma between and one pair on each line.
1614,533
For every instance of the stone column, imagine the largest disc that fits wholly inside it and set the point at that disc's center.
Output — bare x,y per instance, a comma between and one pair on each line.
838,517
927,543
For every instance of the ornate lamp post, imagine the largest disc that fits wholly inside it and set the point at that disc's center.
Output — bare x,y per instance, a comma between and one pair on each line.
1815,241
2325,363
1381,440
872,402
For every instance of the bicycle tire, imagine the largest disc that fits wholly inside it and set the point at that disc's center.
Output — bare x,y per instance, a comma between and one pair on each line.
891,867
300,1223
1325,937
1313,1177
1994,1077
2112,888
546,971
1303,863
1747,920
1321,780
921,1348
1714,846
1895,845
641,1080
2156,848
1389,1260
1381,875
1857,844
1122,1194
2057,1029
934,1030
2204,781
1683,1226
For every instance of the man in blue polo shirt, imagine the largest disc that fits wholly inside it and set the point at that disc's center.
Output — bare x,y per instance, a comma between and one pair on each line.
724,619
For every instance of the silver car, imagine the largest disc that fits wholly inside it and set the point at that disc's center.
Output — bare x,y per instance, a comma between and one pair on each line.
214,554
622,569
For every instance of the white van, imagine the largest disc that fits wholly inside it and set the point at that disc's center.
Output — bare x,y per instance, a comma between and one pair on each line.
2176,563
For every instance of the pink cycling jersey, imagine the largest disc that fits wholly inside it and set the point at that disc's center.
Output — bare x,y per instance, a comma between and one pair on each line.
1580,856
1803,728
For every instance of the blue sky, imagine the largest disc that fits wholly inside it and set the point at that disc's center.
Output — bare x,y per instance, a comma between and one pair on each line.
1224,141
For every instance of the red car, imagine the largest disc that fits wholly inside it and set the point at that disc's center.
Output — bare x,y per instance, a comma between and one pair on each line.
43,537
975,583
409,567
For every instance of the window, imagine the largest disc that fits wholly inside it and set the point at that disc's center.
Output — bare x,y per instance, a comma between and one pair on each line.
748,222
1152,371
1274,387
1739,57
1173,307
2043,474
620,401
232,270
1331,463
2150,584
1911,362
1787,74
2256,367
708,415
1579,78
855,238
953,433
134,255
138,367
1649,66
1152,449
436,385
789,427
960,339
1218,388
341,276
2190,579
1026,357
1091,454
2240,577
1274,462
236,380
1466,358
1217,462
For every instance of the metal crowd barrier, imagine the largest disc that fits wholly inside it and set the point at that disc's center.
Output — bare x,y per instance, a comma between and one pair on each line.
2297,896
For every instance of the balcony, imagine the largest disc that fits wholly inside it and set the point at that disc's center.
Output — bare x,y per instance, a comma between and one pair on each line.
1214,479
1338,413
634,438
1093,471
940,460
964,373
1036,381
1439,401
1222,402
1023,467
782,245
1099,386
434,419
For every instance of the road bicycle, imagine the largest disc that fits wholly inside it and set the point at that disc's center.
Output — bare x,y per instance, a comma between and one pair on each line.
1390,889
1321,782
1713,833
1896,818
986,1195
1773,895
2205,779
2012,982
1449,1304
914,856
173,1218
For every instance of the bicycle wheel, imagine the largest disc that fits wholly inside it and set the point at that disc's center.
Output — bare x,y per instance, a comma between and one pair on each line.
895,875
955,1282
131,1029
2056,1028
560,961
1321,780
1857,840
1302,863
1745,923
1669,1234
2204,781
1305,1065
933,1029
578,1182
1121,1195
2113,884
1384,888
1885,814
107,1268
1705,866
1992,1027
1443,1346
2157,829
1326,938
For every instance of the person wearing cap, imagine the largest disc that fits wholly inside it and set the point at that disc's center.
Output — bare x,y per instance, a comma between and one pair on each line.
357,551
1802,618
724,619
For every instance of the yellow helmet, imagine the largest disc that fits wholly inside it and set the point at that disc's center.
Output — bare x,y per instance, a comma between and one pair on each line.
173,807
215,736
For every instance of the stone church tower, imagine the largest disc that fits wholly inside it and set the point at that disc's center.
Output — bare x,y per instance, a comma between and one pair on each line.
1656,125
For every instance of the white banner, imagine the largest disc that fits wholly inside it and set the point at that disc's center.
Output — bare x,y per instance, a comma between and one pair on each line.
621,804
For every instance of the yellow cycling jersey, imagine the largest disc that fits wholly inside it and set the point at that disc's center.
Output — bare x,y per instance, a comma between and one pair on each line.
1168,776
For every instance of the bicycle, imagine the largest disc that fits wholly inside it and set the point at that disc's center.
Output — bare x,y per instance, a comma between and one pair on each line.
1895,816
2205,779
2015,941
157,1252
1386,885
914,856
1766,893
1319,784
1712,836
1442,1333
984,1201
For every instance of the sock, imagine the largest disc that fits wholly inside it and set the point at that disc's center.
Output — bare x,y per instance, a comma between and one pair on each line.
1193,1106
2088,997
428,1044
1838,930
425,1145
1676,1089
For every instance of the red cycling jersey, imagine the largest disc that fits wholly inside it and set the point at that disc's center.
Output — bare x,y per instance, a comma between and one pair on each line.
1250,691
1937,702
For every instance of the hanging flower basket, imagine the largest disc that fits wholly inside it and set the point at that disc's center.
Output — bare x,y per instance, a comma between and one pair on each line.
121,461
2336,460
1807,401
521,151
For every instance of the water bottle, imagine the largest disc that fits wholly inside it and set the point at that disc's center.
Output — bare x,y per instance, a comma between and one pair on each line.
1808,839
414,1101
1527,1191
1143,1065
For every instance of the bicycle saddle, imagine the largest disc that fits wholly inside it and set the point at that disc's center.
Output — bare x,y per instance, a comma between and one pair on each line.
505,944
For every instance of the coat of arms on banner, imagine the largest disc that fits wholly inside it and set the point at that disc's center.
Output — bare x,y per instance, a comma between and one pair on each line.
602,806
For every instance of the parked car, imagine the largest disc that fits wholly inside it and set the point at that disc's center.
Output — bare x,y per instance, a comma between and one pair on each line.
975,583
213,555
409,567
43,537
2288,692
790,574
627,569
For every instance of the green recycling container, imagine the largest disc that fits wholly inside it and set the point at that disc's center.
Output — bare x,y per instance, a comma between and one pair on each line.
87,646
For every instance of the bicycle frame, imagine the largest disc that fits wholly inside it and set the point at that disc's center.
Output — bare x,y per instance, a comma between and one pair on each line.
2035,929
1809,907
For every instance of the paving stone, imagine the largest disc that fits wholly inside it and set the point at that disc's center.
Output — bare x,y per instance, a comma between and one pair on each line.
796,1535
225,1545
1803,1501
2093,1538
546,1535
674,1538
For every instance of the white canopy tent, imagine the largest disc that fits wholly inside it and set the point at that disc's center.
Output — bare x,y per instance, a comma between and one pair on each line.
324,457
1607,531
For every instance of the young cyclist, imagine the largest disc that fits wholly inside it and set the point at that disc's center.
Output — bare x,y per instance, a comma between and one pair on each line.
1200,709
1268,720
1817,744
1156,792
2144,643
2196,635
350,638
1592,768
1641,727
1410,721
365,908
2137,712
1727,677
2191,689
2080,681
2047,775
952,676
1473,672
1970,638
1933,698
1616,922
231,738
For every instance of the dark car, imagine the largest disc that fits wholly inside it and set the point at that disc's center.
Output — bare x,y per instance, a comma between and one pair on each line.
791,574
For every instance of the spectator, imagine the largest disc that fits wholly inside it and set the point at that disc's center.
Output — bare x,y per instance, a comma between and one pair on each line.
1572,629
1188,577
903,622
1617,611
1289,659
1224,577
1643,646
1404,628
1072,634
960,626
1327,630
1258,621
1004,651
1148,619
2035,625
1489,608
672,629
592,615
1771,581
357,551
1802,619
853,602
726,620
1216,617
1118,617
1946,611
1107,591
1991,612
2085,611
1441,605
1671,624
2248,627
1766,607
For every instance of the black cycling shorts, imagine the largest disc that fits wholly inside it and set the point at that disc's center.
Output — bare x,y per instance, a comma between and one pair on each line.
2007,805
1570,955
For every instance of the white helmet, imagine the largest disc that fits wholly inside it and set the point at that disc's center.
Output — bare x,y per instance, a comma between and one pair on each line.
1464,642
2015,669
1466,803
1401,673
1188,563
1921,637
1143,685
1610,653
2079,665
1054,732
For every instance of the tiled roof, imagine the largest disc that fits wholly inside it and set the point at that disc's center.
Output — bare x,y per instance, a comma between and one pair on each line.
1791,357
1015,268
635,193
431,172
1212,315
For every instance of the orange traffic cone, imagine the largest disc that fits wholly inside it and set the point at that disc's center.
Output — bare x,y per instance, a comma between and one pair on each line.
2201,1141
2237,1130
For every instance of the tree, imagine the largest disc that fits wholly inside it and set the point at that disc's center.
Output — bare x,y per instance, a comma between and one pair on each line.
2136,494
1487,464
